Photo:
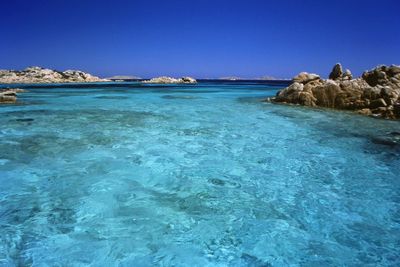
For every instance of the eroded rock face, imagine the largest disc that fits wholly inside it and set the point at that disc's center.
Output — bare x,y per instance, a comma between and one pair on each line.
166,80
376,93
41,75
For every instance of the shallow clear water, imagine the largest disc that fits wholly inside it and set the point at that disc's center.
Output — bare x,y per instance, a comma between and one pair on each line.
193,176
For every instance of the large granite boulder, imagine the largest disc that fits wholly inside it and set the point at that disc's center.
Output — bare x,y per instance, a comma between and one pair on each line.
41,75
170,80
336,72
347,75
305,77
376,93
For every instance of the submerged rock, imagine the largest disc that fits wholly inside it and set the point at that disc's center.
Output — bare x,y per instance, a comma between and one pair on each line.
376,93
170,80
41,75
389,140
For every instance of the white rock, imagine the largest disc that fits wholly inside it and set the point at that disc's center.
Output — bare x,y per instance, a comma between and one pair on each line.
167,80
41,75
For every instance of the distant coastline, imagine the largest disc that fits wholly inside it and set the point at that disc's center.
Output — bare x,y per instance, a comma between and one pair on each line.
40,75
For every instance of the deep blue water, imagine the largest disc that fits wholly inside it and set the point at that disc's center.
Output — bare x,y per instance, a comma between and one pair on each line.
205,175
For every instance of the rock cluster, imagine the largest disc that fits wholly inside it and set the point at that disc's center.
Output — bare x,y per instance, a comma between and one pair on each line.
41,75
9,95
376,92
164,80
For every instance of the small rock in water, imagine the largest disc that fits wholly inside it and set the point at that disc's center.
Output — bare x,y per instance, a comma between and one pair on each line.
395,133
386,141
8,96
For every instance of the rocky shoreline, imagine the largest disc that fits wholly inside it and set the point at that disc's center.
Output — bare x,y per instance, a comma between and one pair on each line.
42,75
376,93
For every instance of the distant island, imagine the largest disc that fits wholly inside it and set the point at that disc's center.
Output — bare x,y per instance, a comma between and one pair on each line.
42,75
123,78
271,78
166,80
230,78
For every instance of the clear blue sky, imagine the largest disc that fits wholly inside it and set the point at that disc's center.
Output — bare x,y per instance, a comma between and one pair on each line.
209,38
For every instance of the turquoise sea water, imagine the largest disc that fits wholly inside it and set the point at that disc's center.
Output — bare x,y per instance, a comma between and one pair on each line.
204,175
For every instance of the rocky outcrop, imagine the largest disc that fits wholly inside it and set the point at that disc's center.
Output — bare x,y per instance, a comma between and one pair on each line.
376,93
9,95
41,75
166,80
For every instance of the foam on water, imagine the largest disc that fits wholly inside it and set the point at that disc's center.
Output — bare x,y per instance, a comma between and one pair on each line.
193,176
